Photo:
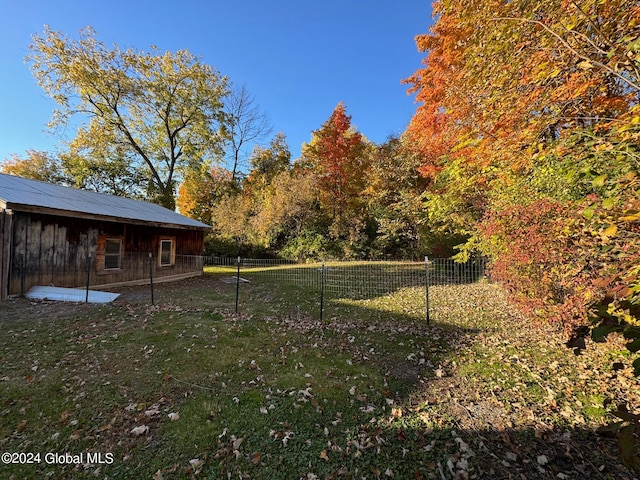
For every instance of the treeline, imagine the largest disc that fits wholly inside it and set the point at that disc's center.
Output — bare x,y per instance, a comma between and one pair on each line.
345,197
524,148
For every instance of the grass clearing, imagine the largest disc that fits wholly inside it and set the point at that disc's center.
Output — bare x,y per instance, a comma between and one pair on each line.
187,389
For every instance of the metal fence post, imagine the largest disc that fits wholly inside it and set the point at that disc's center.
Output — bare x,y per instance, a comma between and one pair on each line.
238,283
322,291
151,277
86,296
23,268
426,289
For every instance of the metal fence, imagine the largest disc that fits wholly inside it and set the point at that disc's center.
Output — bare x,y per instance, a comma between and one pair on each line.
354,280
357,280
446,271
93,271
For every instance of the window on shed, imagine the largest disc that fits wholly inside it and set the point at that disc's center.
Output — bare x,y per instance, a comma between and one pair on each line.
113,253
166,252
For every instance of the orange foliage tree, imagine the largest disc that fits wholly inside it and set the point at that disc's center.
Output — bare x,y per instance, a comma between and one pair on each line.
335,153
528,129
338,155
36,165
202,190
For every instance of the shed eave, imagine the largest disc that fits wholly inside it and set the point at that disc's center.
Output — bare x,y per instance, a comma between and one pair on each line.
107,218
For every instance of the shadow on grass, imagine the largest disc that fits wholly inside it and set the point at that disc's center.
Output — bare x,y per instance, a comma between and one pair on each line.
416,367
370,392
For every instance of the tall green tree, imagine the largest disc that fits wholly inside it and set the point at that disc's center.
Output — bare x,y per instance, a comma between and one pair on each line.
394,194
252,213
287,207
162,111
266,163
114,175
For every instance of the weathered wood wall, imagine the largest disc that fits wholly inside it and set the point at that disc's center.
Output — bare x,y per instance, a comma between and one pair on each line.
6,221
46,252
51,250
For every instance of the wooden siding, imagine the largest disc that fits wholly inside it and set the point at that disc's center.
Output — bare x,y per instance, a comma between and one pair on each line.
6,222
52,250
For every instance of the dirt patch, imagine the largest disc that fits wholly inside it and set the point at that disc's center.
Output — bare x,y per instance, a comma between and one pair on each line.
167,292
16,309
179,291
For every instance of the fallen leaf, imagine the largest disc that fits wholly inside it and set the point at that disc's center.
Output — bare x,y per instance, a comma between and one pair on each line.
255,458
542,460
141,430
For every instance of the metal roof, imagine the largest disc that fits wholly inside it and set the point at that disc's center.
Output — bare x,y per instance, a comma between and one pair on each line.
25,194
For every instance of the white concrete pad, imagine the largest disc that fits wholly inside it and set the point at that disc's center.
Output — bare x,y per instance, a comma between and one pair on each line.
70,294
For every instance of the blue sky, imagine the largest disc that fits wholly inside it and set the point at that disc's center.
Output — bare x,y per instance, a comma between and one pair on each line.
297,58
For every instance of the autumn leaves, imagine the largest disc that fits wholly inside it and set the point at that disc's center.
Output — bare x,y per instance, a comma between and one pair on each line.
528,129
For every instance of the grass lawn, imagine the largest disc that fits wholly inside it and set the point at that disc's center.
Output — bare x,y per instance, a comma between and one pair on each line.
188,389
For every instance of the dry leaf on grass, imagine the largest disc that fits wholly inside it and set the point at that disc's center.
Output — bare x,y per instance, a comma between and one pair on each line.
140,430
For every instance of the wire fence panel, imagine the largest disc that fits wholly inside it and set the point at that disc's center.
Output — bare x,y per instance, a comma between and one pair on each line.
247,262
364,280
359,279
283,272
355,280
446,271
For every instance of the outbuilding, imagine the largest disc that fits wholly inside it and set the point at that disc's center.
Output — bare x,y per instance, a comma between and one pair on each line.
65,237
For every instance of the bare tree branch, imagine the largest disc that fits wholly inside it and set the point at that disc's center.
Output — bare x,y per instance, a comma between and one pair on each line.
247,124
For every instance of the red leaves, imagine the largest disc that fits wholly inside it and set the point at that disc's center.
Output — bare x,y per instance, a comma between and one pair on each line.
338,157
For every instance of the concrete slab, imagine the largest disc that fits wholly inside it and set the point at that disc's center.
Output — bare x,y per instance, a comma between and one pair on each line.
70,294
